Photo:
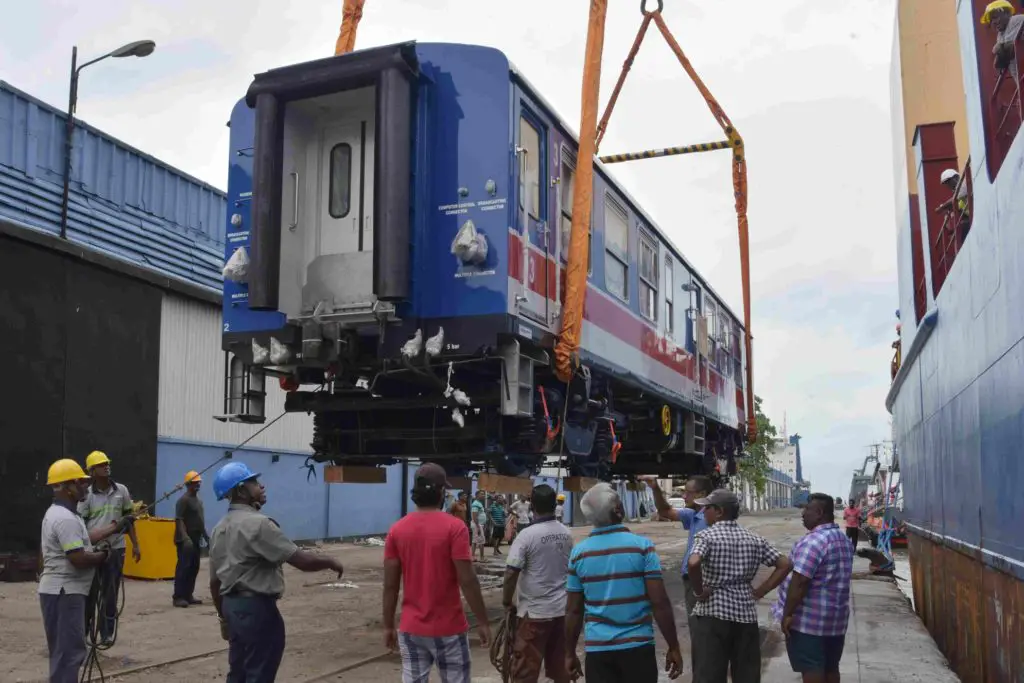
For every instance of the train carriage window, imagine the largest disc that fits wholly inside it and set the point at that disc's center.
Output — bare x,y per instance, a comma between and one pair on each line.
529,179
648,262
566,184
616,240
711,315
670,324
340,182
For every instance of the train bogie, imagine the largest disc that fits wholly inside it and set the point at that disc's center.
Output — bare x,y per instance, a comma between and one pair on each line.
396,259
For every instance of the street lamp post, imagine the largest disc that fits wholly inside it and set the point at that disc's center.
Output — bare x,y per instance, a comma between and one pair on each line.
139,48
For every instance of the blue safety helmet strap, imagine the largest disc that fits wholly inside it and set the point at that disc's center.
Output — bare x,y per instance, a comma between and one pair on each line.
230,476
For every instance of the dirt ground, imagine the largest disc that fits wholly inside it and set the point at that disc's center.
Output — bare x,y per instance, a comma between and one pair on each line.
333,627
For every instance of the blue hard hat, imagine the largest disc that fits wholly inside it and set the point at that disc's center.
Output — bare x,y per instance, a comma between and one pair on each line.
230,476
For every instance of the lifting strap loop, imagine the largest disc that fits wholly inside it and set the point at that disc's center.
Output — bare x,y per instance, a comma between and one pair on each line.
351,14
590,139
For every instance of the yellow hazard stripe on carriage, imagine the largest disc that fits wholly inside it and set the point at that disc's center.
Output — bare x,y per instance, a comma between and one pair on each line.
671,151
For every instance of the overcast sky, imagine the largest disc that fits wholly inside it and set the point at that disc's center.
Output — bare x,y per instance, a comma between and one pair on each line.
806,82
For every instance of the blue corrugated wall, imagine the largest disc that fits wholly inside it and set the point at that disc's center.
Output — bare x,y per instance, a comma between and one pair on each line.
305,509
304,506
123,202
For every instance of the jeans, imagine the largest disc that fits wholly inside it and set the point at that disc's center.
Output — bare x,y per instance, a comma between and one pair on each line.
187,570
256,638
64,623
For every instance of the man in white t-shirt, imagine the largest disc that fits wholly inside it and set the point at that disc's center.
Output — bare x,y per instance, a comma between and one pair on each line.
538,564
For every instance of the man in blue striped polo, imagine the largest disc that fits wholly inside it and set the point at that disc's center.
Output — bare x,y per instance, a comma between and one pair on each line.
615,588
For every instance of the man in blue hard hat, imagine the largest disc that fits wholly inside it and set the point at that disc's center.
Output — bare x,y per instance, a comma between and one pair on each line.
247,551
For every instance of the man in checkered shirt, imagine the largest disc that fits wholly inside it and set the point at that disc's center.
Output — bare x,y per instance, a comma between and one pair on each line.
723,564
814,603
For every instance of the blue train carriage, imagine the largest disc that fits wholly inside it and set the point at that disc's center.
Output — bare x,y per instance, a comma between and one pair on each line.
396,251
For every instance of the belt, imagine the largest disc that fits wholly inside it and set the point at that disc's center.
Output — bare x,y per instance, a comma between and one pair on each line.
250,594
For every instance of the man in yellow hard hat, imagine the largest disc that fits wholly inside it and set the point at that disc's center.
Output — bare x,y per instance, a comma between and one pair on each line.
106,504
68,567
189,530
560,507
1001,16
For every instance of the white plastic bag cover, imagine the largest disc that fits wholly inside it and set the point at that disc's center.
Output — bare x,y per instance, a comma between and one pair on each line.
436,343
411,348
279,353
469,245
237,267
260,354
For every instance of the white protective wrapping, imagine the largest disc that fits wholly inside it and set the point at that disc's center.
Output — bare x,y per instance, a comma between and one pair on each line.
260,354
469,245
279,353
237,267
412,348
436,343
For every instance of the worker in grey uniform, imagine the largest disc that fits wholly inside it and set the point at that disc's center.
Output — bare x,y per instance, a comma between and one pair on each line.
247,551
108,502
68,566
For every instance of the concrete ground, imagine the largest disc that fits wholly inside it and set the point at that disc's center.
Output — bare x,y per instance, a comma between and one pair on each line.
334,627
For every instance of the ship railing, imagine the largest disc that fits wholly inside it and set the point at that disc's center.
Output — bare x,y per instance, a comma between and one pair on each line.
955,226
1005,110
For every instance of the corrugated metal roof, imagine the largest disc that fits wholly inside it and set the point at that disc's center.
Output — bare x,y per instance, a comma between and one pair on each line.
122,202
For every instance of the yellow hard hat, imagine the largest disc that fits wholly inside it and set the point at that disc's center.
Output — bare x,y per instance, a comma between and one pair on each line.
986,18
96,458
561,496
191,476
64,470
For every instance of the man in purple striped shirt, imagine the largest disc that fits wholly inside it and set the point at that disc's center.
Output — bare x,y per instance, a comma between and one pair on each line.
814,601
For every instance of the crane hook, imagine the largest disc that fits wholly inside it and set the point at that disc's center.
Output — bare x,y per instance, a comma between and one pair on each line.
643,7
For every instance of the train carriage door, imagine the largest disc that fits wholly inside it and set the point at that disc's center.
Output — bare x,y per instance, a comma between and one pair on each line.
339,229
538,240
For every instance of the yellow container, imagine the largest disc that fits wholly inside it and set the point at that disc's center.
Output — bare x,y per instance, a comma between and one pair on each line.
159,556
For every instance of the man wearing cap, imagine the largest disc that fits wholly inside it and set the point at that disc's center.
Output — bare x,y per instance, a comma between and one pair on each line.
247,551
189,530
560,508
724,562
1007,23
69,563
106,503
427,554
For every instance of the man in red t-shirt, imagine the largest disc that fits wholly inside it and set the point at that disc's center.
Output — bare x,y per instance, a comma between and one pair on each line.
428,552
851,516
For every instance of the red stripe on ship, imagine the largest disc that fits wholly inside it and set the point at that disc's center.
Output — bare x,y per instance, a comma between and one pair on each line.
615,319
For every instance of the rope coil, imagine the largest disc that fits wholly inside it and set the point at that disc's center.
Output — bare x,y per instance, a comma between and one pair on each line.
501,646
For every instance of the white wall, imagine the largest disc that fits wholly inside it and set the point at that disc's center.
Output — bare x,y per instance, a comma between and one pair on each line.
192,384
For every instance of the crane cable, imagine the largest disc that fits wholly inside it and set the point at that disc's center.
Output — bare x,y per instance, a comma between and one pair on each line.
591,134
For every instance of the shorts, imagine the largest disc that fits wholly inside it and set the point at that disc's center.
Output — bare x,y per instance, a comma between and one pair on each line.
812,654
635,665
478,534
539,641
498,533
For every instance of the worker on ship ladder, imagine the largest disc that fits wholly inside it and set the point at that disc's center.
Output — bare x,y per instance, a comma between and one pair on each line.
107,511
951,179
69,565
247,551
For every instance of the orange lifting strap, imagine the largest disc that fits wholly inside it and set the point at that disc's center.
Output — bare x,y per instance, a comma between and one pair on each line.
591,133
350,16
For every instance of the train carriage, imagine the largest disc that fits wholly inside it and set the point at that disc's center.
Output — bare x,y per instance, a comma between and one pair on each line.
398,229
